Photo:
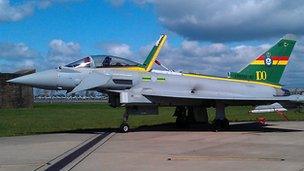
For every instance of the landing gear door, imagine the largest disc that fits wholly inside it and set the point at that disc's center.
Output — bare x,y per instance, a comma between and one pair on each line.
142,110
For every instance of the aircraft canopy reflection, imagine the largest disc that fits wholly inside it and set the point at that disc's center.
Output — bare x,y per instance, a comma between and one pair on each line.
102,61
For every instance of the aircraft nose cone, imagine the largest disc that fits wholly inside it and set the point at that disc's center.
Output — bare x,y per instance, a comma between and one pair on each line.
40,79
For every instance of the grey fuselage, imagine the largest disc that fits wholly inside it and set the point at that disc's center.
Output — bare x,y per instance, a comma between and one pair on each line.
161,87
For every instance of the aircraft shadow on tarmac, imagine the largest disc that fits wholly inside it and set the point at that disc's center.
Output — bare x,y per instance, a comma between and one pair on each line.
235,127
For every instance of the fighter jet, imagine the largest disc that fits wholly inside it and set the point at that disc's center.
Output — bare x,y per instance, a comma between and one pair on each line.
142,90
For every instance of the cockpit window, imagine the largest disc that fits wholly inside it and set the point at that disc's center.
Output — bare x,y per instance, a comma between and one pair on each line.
106,62
82,63
102,61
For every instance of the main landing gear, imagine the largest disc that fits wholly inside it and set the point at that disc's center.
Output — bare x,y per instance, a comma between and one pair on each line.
220,122
181,116
186,115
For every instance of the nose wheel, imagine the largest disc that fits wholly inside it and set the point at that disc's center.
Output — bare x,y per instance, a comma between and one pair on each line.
124,127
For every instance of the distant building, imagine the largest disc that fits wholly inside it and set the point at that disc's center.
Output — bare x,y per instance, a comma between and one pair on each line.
15,96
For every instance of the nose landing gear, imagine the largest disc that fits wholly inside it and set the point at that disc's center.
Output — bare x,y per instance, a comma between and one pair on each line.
124,127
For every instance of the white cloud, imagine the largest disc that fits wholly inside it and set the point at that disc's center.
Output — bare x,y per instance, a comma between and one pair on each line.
293,76
15,13
15,56
215,58
143,2
10,12
118,3
189,56
121,50
16,50
234,20
61,52
222,20
219,59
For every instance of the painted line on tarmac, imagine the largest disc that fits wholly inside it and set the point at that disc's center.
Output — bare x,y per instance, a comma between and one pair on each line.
70,159
240,158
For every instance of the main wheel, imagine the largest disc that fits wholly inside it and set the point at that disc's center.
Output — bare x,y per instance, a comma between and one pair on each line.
181,122
220,124
216,125
225,124
124,127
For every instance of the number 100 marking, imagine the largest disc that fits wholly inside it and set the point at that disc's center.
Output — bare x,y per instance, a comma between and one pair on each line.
261,75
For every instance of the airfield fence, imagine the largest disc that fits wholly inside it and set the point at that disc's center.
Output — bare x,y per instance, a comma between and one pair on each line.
296,91
70,99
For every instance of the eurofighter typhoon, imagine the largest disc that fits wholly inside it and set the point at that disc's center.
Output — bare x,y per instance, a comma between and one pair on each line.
141,90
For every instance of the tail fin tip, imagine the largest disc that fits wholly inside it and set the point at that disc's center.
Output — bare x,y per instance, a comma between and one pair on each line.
149,62
290,36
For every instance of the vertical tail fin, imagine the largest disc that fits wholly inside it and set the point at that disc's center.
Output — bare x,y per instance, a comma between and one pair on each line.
269,66
149,62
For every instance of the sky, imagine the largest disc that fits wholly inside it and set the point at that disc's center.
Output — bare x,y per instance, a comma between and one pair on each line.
209,37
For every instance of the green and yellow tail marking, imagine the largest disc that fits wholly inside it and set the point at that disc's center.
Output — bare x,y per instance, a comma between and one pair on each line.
269,66
149,62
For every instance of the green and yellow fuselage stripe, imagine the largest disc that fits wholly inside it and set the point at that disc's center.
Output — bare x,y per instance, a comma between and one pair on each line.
232,80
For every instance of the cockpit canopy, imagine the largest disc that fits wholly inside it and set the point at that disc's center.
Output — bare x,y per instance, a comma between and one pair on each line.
102,61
